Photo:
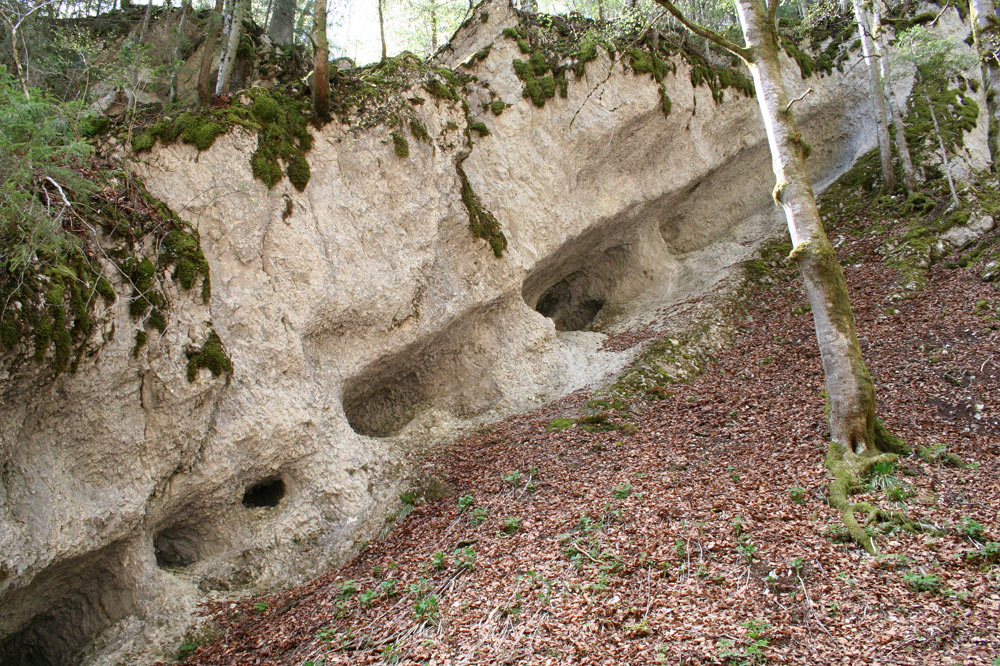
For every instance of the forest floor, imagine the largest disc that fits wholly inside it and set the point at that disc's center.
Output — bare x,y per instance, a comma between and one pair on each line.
701,535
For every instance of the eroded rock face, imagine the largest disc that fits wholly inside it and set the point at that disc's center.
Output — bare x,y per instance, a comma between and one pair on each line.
365,321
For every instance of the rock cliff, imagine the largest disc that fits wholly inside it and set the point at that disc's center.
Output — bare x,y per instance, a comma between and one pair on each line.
366,324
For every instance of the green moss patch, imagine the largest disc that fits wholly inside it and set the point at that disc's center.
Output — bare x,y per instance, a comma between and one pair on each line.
400,145
212,355
482,222
279,121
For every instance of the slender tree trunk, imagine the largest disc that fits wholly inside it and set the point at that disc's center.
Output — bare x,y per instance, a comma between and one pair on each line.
982,13
902,148
600,11
205,73
849,386
878,98
175,60
381,27
944,153
434,29
235,31
282,23
321,50
22,76
145,22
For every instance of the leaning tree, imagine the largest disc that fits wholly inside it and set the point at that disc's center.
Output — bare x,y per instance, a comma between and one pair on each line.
858,438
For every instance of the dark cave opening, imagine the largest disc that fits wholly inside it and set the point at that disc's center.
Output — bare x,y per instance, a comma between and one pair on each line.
263,494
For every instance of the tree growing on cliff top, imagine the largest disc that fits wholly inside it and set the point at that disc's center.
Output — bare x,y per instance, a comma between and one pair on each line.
858,438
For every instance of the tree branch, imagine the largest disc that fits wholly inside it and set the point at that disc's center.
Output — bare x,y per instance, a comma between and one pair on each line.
798,99
772,11
710,35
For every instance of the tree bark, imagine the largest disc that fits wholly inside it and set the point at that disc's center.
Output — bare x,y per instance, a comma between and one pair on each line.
321,50
902,147
145,22
878,98
981,13
174,61
228,60
434,29
205,73
381,27
280,30
849,387
944,153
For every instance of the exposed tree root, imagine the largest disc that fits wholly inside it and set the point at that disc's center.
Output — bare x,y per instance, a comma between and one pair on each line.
848,469
930,455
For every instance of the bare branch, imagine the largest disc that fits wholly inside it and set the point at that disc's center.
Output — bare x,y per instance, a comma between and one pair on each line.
710,35
797,99
943,10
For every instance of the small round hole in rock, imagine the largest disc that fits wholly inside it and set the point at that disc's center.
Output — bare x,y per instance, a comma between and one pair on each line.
265,493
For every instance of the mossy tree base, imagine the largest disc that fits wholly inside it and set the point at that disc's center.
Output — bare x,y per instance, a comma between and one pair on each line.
848,470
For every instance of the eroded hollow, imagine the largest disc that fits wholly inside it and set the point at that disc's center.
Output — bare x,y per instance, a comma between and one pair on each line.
569,302
450,370
55,617
607,264
177,547
266,493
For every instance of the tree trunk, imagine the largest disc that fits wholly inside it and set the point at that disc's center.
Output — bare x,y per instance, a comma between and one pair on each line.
878,99
944,153
982,12
849,387
434,29
381,27
175,60
282,23
145,22
205,73
902,148
228,60
321,50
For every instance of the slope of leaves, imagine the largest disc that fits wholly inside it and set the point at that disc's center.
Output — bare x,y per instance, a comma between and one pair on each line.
700,535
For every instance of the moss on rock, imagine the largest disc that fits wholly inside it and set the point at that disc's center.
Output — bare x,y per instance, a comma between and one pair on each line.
212,356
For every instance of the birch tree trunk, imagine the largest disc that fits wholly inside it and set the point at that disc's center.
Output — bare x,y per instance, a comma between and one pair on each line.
174,60
982,13
945,162
878,98
233,34
321,52
902,148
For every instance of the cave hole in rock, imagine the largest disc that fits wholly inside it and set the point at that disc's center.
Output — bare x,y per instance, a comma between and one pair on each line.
605,265
266,493
568,303
451,370
177,547
64,607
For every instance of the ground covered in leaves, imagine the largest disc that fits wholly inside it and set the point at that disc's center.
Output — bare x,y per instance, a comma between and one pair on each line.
689,525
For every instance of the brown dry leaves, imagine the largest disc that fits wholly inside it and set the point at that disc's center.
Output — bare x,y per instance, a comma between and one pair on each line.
655,546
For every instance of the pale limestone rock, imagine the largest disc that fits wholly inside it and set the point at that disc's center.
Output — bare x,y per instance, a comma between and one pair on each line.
367,325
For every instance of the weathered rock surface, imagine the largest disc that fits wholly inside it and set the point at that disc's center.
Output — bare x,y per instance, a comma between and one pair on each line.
365,323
